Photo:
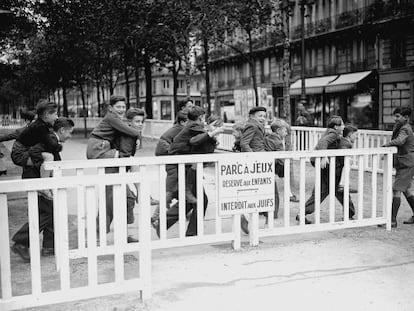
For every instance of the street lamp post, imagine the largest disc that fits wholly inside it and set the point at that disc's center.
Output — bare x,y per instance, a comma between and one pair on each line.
302,4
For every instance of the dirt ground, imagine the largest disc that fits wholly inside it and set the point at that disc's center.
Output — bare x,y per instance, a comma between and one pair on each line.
354,269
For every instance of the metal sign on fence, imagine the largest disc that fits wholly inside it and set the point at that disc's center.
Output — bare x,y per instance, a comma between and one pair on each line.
246,186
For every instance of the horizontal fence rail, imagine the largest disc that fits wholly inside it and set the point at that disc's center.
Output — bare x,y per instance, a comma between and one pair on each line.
81,188
136,280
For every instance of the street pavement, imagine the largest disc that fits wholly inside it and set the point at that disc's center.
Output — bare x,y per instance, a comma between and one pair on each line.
354,269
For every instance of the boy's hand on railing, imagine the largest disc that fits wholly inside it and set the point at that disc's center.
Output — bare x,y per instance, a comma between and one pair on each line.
324,162
216,131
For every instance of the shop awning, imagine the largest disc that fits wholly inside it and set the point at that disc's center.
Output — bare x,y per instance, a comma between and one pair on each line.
346,82
313,85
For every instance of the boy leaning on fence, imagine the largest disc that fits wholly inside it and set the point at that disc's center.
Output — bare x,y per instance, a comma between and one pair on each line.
127,146
27,117
193,139
403,139
274,141
62,130
330,140
37,132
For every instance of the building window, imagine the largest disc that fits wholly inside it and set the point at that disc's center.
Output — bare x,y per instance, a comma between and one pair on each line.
394,95
132,89
166,110
198,86
154,86
166,84
398,51
181,84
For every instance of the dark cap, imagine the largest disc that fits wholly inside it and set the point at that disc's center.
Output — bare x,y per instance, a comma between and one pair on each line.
256,109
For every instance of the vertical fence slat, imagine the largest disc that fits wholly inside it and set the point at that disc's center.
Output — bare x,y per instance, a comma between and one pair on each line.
387,189
91,236
332,166
361,186
64,242
374,185
6,288
317,190
163,203
236,243
200,201
56,217
345,172
34,242
294,140
81,212
217,199
145,271
102,210
254,229
181,200
302,190
286,194
120,228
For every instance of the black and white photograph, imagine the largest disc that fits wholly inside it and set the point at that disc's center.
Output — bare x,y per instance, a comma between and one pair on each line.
199,155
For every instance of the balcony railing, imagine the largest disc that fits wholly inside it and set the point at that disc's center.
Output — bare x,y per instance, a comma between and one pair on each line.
231,82
245,81
323,25
265,78
349,18
359,65
380,10
330,69
311,72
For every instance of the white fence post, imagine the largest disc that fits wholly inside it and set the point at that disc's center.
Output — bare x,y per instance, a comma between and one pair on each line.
145,241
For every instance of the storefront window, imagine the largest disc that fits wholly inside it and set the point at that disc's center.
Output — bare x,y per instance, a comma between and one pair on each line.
361,112
166,110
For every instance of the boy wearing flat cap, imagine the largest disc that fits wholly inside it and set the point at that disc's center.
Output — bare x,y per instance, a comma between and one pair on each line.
252,139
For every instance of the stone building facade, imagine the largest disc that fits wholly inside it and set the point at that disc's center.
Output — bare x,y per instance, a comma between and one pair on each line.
359,63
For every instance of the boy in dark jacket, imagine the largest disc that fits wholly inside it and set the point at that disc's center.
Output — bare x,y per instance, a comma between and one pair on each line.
403,139
127,147
37,132
330,140
62,130
192,139
237,133
274,141
166,139
254,131
163,148
28,117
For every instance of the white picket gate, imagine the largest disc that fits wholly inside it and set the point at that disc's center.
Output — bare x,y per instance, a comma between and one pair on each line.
82,183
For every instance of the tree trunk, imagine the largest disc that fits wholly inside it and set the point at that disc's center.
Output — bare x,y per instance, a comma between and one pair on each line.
98,96
65,102
175,87
84,110
126,75
286,70
136,72
253,67
58,100
207,69
148,87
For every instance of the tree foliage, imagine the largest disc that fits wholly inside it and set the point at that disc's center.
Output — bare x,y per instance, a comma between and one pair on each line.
67,43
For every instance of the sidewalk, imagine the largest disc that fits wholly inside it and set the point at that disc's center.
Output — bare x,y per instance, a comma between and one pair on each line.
355,269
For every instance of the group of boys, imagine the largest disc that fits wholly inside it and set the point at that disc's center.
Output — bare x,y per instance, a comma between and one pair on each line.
189,135
252,137
39,141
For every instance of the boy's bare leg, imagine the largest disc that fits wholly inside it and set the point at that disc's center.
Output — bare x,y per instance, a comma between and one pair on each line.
46,158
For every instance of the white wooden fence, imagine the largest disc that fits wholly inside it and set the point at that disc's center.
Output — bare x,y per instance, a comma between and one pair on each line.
86,190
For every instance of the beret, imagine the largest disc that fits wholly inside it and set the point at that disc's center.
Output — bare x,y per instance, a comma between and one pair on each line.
256,109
